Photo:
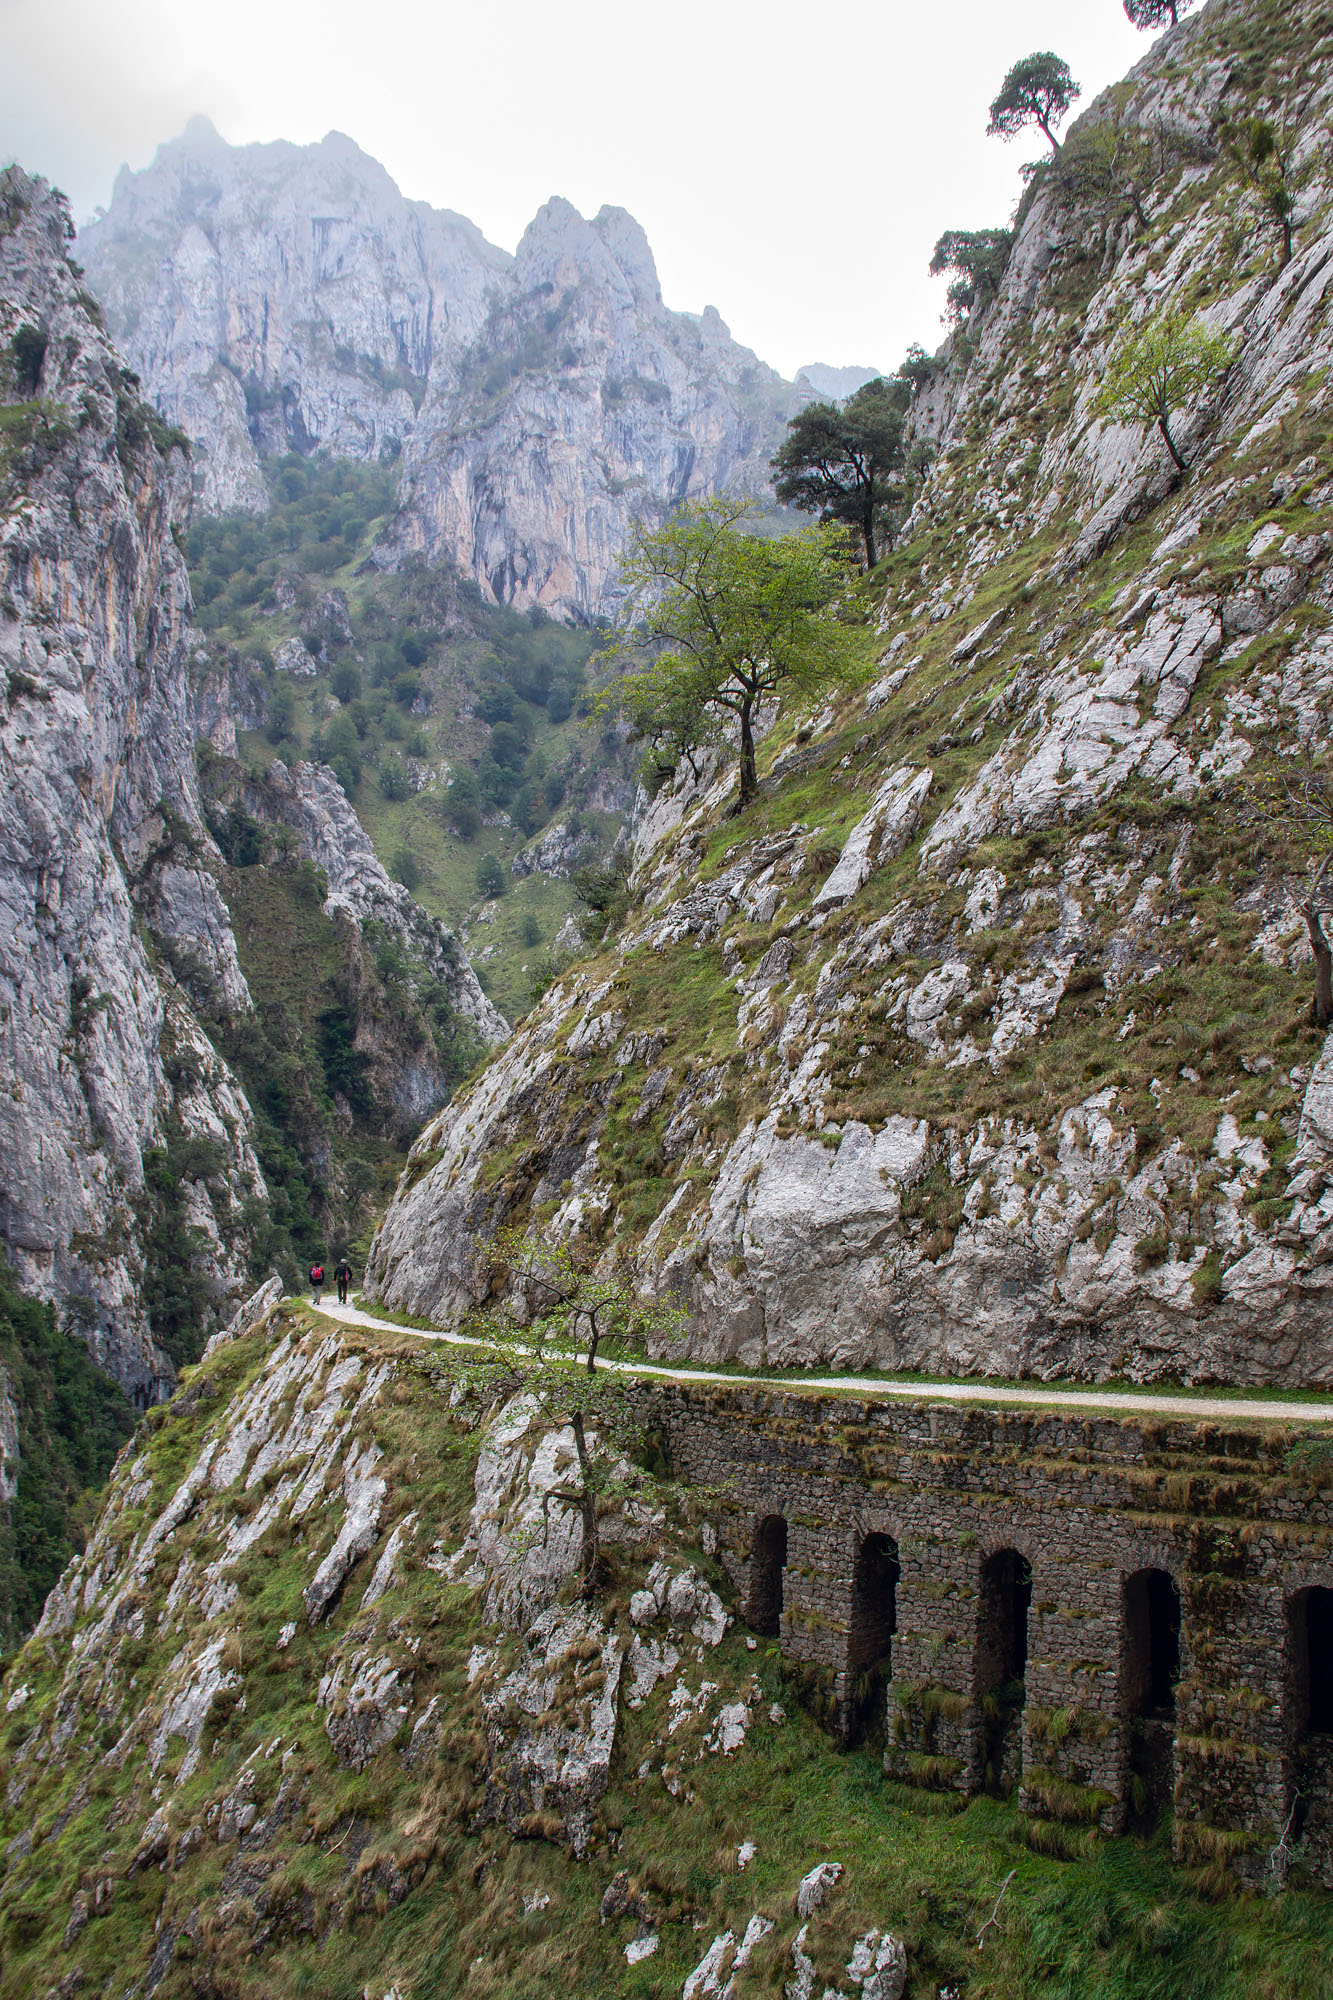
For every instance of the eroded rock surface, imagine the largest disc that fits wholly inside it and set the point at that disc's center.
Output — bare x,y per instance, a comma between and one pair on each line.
112,929
991,1051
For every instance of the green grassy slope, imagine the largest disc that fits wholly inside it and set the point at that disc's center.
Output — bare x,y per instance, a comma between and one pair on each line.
457,727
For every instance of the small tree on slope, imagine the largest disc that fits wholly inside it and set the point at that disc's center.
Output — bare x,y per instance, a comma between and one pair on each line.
978,257
717,620
1160,367
1264,152
1037,91
541,1343
846,462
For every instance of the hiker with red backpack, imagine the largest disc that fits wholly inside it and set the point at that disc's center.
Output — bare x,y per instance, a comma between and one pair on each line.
316,1281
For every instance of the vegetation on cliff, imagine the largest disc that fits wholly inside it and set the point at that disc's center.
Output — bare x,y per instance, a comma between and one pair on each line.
264,1788
69,1420
455,727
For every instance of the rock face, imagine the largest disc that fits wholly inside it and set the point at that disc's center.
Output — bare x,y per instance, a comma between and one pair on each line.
257,1619
280,298
989,1052
104,882
583,404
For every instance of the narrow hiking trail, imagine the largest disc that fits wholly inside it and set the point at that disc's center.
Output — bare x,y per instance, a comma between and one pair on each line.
1110,1402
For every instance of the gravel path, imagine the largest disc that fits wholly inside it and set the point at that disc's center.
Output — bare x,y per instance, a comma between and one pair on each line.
1116,1402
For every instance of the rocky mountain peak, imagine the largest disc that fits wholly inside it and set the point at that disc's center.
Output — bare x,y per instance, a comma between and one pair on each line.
282,298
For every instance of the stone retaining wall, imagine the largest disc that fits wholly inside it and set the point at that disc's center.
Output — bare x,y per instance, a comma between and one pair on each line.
1174,1656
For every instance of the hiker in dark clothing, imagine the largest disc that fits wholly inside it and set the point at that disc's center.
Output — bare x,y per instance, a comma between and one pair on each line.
316,1281
343,1275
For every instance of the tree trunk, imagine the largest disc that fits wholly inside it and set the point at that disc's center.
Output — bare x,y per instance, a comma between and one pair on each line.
1323,965
1285,220
1175,18
1164,428
868,531
749,775
589,1552
1055,143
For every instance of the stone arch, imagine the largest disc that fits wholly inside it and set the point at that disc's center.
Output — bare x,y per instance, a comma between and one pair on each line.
874,1619
768,1560
1149,1670
1004,1599
1307,1719
1308,1681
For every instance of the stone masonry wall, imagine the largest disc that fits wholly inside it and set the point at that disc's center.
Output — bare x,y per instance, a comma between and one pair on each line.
1172,1658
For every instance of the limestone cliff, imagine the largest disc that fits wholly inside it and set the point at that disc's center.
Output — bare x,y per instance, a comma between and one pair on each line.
105,884
985,1042
583,404
280,298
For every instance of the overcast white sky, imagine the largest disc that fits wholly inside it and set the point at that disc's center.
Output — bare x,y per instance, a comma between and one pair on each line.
791,167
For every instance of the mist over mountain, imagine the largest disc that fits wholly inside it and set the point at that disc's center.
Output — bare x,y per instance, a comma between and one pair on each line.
277,297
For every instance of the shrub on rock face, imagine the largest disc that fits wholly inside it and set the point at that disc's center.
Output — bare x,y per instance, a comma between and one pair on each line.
28,350
1159,368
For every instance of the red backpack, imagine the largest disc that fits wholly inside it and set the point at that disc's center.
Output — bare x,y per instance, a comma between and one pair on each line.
316,1274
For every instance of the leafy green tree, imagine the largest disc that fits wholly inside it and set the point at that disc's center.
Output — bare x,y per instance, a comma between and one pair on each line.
560,702
1154,13
490,876
1037,91
462,804
394,781
917,368
345,681
280,712
1264,153
509,746
603,889
406,868
530,930
340,738
844,462
558,1307
347,771
1160,367
528,810
716,621
978,258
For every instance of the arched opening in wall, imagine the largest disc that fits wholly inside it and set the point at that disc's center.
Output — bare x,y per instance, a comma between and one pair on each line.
1308,1718
1150,1668
1004,1598
1310,1663
763,1612
870,1641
